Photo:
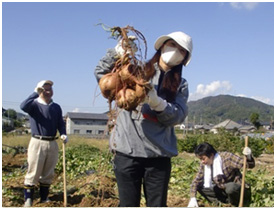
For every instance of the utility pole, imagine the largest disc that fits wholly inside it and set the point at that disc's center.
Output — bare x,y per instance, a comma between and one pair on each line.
194,125
187,129
185,126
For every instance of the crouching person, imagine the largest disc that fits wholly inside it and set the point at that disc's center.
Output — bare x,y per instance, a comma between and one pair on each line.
219,177
45,120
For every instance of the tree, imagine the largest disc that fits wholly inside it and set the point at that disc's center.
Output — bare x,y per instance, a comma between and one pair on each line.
254,119
11,114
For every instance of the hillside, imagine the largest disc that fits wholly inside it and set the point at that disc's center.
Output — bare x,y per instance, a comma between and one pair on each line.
218,108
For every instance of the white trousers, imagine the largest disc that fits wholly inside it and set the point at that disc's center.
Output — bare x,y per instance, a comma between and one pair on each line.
42,160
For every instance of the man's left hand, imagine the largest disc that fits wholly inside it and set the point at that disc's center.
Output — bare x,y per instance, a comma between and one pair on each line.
247,152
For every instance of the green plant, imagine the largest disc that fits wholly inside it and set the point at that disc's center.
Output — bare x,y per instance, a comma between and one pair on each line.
262,188
257,146
182,175
84,155
82,159
269,149
188,144
224,141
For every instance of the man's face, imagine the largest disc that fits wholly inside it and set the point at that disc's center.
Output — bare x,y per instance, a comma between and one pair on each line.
206,160
48,91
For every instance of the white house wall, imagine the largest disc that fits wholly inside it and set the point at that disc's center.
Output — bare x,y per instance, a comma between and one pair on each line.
86,126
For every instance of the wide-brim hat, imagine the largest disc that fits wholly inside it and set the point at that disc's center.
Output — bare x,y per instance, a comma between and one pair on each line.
182,39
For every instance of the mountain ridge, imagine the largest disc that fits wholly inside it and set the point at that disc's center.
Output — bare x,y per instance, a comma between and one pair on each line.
215,109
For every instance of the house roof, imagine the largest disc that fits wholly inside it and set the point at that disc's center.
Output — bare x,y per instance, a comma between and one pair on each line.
247,128
204,126
82,115
228,124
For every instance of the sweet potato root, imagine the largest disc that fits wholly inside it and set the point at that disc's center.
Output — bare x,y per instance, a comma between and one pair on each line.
128,81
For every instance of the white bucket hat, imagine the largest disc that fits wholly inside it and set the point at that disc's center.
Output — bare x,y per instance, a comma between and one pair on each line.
181,38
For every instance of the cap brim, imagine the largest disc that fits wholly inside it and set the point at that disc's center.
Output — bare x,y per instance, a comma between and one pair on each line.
160,41
49,82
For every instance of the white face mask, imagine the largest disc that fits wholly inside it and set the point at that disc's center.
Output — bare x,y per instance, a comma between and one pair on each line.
171,56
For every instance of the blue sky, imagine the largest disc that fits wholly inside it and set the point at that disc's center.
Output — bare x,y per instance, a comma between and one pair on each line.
233,47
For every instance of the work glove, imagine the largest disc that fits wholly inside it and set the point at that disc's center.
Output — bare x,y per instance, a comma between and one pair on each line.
39,87
192,203
64,138
128,47
155,102
247,152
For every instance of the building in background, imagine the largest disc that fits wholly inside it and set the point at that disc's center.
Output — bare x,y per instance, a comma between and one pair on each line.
89,124
228,125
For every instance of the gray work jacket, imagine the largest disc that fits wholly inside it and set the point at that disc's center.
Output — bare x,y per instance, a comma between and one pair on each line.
146,133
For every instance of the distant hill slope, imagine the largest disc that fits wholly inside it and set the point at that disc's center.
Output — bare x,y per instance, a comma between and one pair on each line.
218,108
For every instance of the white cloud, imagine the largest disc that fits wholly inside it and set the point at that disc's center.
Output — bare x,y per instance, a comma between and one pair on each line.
82,109
244,5
221,87
212,89
262,99
258,98
76,109
241,95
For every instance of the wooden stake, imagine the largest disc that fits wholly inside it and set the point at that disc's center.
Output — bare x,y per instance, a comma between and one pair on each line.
243,175
64,176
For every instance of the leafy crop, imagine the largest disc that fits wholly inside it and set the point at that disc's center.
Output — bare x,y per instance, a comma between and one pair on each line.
262,188
83,159
225,142
183,173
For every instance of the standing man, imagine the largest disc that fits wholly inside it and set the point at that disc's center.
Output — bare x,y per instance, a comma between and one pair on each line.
219,176
45,119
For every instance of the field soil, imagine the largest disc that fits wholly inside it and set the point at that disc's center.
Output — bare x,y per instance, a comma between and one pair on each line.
103,195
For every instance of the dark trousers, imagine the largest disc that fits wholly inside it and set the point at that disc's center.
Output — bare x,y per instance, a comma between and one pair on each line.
231,194
133,172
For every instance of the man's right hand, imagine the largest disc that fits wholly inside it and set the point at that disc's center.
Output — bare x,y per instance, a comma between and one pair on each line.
193,203
39,87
